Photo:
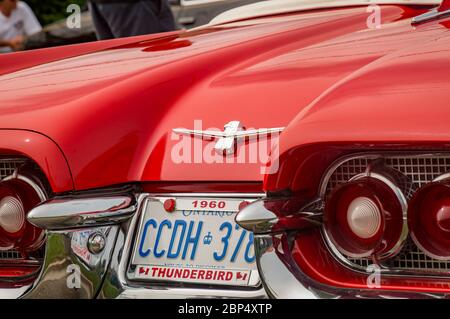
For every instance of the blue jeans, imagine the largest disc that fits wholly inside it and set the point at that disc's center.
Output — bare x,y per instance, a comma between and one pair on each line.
125,19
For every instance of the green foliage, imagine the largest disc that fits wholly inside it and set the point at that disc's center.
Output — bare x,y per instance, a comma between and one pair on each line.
48,11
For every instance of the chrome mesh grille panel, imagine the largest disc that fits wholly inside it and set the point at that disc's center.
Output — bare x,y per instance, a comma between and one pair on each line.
7,166
10,255
421,170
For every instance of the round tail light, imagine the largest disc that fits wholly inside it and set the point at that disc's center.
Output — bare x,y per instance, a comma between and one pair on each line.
429,219
12,215
364,218
17,197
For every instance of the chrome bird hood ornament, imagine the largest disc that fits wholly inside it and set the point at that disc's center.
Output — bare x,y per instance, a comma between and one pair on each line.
227,139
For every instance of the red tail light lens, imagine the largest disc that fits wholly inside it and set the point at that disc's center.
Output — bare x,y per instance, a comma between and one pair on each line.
364,218
429,219
17,198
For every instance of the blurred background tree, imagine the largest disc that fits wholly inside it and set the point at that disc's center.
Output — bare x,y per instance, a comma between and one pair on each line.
49,11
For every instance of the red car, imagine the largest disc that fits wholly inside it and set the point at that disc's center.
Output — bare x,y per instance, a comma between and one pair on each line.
124,163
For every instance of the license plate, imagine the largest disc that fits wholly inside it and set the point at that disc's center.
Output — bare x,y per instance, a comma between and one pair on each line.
198,242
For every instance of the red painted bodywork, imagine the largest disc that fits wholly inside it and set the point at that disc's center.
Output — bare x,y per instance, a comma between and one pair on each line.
322,73
445,5
101,114
42,150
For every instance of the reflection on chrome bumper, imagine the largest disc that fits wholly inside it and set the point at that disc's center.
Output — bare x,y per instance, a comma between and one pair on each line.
71,270
278,280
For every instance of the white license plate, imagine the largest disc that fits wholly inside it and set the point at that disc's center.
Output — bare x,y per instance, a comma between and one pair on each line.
194,244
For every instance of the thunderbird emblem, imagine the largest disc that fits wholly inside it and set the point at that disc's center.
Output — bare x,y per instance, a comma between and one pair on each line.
226,140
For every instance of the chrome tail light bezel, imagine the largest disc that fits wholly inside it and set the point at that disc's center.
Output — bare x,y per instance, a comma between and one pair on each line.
398,264
379,172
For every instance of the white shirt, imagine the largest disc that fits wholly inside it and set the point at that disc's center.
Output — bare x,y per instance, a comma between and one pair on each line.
21,22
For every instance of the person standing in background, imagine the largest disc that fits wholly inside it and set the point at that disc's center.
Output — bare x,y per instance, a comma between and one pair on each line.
124,18
17,21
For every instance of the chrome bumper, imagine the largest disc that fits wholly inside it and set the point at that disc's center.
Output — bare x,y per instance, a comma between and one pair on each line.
276,273
71,270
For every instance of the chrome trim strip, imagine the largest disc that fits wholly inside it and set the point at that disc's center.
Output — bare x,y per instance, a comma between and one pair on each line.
13,293
209,195
58,214
225,134
433,14
189,293
41,194
442,177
